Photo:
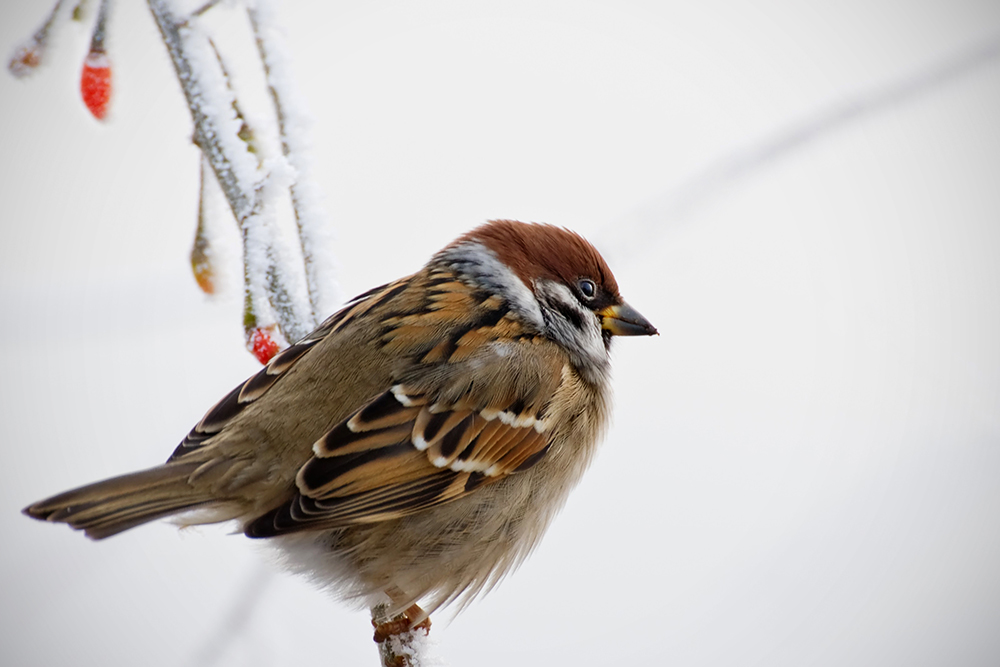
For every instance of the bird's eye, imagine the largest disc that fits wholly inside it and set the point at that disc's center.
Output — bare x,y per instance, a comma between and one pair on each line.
587,288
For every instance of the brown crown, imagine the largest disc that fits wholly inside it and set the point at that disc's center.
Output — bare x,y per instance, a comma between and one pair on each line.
534,250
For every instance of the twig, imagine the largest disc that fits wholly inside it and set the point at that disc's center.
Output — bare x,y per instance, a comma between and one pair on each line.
205,7
234,622
410,648
311,223
202,265
233,168
217,131
296,316
100,28
31,53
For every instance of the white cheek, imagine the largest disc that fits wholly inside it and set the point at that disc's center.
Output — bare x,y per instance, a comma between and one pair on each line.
595,342
586,340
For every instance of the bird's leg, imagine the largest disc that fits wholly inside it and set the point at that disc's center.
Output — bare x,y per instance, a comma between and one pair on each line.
414,618
398,644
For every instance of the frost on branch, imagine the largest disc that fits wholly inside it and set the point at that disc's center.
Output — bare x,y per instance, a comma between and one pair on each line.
31,52
282,302
293,127
409,648
288,269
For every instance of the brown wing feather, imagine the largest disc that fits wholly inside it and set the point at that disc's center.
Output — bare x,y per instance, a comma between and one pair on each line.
409,449
223,412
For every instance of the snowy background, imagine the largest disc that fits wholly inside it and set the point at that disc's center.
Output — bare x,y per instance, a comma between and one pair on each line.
805,465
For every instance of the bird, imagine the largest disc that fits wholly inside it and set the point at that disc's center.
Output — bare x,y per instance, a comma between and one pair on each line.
414,448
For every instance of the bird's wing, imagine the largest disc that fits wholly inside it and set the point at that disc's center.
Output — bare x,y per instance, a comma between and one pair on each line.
223,412
437,434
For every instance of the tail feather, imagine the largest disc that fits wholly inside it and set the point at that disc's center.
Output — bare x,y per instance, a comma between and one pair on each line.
106,508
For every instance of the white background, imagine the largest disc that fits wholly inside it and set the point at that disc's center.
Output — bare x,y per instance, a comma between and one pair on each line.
804,467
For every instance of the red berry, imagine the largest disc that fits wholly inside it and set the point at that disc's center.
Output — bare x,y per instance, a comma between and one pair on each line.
95,83
262,345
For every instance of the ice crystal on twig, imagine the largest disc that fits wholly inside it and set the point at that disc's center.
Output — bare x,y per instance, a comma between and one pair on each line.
31,53
412,648
313,229
274,289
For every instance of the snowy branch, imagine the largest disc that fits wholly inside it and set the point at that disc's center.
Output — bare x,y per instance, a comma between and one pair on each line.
405,648
314,232
275,296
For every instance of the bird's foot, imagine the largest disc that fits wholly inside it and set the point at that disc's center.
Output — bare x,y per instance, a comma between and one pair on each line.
402,623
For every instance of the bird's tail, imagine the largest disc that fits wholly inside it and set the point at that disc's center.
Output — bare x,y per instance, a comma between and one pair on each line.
106,508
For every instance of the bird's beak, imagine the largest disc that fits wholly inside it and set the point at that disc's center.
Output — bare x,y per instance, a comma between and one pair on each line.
624,320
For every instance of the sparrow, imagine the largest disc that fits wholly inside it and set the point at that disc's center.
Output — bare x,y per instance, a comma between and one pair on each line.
415,447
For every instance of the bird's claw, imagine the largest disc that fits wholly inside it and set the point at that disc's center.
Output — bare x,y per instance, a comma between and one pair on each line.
402,623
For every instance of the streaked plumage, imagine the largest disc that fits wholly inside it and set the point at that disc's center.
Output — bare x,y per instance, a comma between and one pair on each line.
418,443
